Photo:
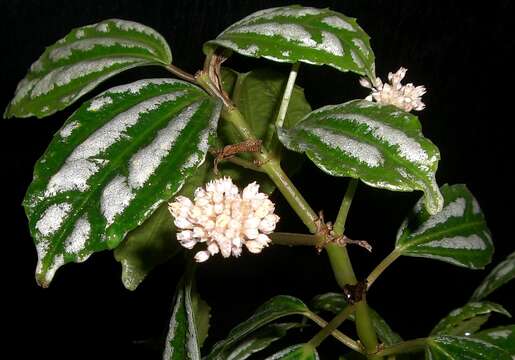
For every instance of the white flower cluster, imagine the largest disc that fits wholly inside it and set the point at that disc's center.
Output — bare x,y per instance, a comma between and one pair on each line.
224,219
407,97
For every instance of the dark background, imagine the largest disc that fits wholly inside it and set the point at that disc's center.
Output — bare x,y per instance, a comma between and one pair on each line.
461,52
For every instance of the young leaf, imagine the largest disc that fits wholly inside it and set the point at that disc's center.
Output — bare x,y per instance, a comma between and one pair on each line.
296,352
457,235
257,94
83,59
502,336
273,309
182,341
381,145
461,321
335,303
153,242
259,340
150,244
460,348
116,159
296,33
500,275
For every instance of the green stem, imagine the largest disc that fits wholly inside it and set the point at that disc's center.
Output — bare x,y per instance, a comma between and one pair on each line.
292,239
344,273
275,172
287,95
244,163
387,261
331,326
339,224
344,339
404,347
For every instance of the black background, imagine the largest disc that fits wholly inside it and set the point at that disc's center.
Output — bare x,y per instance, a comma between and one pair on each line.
461,52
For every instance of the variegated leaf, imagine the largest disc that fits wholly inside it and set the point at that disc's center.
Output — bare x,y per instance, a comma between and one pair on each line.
460,321
500,275
153,242
184,338
335,303
296,33
502,336
457,235
115,160
381,145
259,340
275,308
83,59
463,348
296,352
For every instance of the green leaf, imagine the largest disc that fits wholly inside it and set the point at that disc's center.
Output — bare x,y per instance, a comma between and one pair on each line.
258,95
463,348
202,312
500,275
335,303
502,336
149,245
259,340
116,159
153,242
381,145
296,352
277,307
461,321
295,33
457,235
183,339
83,59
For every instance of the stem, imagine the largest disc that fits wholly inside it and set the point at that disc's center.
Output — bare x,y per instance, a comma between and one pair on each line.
344,274
344,339
292,239
291,194
339,224
387,261
404,347
331,326
180,73
287,95
243,163
274,171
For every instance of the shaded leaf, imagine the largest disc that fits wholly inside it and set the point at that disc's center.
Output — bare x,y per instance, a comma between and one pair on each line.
502,336
335,303
259,340
463,348
500,275
153,242
83,59
457,235
296,33
381,145
277,307
116,159
149,245
296,352
461,321
258,95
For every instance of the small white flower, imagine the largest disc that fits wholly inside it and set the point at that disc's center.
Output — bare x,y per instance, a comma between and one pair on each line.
224,219
407,97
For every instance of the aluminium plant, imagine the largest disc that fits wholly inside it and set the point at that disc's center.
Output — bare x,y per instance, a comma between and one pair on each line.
195,159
